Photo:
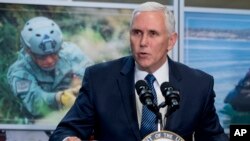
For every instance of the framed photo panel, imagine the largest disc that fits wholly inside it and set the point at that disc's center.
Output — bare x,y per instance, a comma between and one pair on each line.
100,33
218,42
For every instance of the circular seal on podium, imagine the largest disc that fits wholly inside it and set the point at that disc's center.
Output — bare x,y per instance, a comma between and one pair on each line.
163,136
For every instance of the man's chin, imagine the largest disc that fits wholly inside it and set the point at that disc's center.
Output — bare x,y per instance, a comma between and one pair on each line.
143,67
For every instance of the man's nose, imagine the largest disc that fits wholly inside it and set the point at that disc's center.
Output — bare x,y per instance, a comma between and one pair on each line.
144,40
50,59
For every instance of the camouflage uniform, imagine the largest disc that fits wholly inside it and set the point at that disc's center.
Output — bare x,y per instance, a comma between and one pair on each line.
37,88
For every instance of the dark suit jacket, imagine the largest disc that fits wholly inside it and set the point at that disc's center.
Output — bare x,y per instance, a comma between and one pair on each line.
106,104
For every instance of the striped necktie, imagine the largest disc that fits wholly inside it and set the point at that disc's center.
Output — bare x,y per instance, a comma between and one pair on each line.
148,121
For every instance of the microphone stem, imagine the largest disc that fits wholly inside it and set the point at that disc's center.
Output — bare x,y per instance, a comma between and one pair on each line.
159,126
159,121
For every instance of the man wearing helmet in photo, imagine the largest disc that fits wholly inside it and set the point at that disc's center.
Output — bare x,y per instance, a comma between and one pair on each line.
48,72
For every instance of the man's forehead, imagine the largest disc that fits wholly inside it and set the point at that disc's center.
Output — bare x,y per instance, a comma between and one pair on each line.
148,23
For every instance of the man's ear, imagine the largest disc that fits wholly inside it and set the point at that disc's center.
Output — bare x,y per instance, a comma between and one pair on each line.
172,40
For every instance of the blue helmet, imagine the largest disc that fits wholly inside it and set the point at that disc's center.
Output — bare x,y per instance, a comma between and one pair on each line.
42,36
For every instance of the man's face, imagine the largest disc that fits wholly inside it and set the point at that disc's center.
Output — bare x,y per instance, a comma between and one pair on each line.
150,40
46,62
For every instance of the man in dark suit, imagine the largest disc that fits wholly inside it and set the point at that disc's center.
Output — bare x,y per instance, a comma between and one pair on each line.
108,105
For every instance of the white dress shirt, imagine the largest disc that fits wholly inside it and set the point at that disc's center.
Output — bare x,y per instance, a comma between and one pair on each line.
161,75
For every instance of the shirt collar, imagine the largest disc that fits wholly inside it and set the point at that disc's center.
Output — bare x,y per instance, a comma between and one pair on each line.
161,75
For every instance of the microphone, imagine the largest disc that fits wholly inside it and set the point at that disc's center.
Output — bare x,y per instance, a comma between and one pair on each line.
171,95
145,95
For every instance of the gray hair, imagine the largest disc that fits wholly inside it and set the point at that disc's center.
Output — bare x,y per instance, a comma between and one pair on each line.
154,6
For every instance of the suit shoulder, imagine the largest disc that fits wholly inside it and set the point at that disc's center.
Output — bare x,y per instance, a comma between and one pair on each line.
192,72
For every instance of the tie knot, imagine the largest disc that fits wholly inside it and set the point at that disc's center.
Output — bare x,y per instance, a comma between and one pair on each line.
150,78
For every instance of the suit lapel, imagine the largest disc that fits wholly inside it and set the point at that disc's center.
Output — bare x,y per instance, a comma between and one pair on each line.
175,80
126,86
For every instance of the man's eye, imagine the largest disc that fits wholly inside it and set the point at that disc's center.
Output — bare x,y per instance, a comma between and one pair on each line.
136,32
153,33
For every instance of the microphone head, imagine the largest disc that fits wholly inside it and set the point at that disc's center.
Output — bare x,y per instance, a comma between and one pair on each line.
172,97
169,92
145,94
141,85
166,86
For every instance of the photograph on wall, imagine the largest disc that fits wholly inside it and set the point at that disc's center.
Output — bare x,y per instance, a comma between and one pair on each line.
219,44
44,52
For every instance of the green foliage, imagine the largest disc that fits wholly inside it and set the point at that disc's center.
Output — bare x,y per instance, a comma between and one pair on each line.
11,109
12,19
98,32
